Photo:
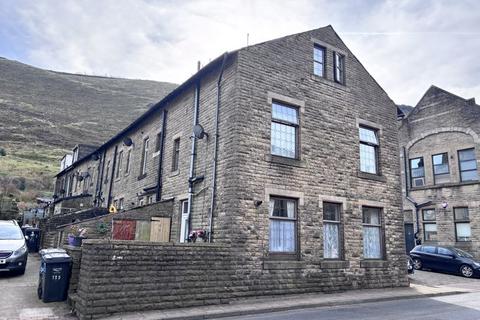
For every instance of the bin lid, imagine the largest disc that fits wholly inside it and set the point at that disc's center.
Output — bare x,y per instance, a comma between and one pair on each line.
52,250
56,257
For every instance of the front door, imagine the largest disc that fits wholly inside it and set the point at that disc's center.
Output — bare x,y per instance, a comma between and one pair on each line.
409,237
184,224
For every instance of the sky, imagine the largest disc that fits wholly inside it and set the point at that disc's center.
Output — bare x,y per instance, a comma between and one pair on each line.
407,45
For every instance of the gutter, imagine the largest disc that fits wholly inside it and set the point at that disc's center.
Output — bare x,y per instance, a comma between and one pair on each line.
160,157
215,152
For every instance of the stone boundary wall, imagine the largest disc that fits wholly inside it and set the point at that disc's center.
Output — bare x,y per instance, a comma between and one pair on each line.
127,276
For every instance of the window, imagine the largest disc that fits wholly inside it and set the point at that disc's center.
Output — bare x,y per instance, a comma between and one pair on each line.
319,60
332,248
120,203
149,200
463,231
428,249
429,225
143,167
444,252
176,154
119,166
368,150
284,131
282,225
107,170
468,165
441,173
417,172
158,142
127,165
372,237
115,204
141,202
339,67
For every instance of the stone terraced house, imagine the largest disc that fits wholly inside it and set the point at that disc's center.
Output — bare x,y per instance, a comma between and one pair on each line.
440,147
286,150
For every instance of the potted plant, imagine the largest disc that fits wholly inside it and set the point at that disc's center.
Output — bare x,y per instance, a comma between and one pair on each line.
75,235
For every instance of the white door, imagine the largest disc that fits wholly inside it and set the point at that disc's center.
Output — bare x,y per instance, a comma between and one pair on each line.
184,221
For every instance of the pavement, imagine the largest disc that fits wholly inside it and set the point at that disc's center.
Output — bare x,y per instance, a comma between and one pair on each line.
18,296
19,300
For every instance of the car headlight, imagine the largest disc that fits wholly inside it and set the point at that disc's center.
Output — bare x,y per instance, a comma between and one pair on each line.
476,264
20,251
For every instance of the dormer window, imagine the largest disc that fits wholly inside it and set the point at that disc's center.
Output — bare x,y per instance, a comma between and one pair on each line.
339,67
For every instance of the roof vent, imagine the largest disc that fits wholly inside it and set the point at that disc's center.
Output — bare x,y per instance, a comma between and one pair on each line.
471,101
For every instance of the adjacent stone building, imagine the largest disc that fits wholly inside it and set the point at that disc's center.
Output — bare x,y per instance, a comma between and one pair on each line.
287,151
440,149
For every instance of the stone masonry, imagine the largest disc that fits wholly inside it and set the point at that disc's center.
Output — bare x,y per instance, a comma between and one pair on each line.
243,85
442,122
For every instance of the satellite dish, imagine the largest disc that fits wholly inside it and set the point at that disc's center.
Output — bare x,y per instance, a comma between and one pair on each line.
127,141
198,131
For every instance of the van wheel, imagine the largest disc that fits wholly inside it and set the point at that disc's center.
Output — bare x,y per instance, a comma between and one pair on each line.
417,264
466,271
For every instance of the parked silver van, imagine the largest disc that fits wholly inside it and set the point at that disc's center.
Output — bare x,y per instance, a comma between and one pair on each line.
13,249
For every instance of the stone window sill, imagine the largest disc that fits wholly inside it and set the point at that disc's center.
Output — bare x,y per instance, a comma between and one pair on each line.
285,161
373,264
371,176
174,173
334,264
282,264
445,185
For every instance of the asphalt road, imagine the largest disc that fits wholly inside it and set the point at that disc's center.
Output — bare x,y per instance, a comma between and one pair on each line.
18,296
458,307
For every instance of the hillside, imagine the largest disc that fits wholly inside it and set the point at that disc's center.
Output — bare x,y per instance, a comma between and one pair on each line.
44,113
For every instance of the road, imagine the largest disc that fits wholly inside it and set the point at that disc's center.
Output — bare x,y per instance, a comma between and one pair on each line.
458,307
18,296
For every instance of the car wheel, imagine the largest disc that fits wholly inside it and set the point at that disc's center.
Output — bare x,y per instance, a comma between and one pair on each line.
466,271
417,264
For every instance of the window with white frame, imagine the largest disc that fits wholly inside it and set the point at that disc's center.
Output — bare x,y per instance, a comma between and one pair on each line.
429,224
463,232
319,60
441,172
417,172
283,225
284,130
468,165
176,154
332,230
368,150
128,161
372,233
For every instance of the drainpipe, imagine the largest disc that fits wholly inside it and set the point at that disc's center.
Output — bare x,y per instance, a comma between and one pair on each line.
215,150
100,179
160,156
112,177
191,174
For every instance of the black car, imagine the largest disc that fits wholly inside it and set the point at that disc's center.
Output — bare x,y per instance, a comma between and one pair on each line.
13,249
445,259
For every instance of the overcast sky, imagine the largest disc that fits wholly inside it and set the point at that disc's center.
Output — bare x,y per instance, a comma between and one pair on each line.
405,45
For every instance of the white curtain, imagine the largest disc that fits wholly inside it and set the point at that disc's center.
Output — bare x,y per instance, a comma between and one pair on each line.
282,236
331,248
371,243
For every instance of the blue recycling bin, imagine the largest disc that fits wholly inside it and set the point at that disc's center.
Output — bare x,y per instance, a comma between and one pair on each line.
54,277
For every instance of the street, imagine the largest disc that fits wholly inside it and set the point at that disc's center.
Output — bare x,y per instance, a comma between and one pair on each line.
18,298
459,307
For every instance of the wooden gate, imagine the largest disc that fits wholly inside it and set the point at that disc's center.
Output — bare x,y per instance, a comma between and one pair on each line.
160,229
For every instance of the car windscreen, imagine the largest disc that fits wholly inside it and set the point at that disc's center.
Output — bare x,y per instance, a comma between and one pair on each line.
8,232
462,253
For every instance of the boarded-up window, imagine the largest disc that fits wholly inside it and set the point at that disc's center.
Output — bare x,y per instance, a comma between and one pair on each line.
123,230
160,229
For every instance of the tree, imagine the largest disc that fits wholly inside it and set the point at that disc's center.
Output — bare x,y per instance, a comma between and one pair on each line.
8,208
